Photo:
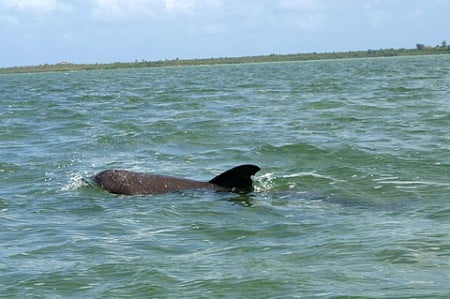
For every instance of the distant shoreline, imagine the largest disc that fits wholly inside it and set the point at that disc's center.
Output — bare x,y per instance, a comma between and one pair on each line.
66,66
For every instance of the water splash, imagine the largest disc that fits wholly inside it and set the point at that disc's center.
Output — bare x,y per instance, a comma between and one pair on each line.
264,182
270,181
312,174
76,182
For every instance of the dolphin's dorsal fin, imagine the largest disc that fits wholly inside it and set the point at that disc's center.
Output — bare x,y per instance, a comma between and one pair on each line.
237,178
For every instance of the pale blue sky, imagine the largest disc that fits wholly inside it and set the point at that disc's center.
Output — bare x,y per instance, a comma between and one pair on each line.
35,32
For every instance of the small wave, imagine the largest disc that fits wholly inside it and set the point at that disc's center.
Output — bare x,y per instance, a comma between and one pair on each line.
269,181
313,174
395,181
76,182
264,182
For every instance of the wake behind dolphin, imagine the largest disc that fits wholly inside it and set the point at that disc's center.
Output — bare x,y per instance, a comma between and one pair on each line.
237,179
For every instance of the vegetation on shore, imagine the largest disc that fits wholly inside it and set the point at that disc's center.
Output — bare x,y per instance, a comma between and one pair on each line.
65,66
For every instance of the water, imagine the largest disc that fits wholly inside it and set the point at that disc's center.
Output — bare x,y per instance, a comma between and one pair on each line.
352,198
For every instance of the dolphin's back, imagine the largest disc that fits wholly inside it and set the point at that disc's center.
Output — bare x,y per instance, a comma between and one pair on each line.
137,183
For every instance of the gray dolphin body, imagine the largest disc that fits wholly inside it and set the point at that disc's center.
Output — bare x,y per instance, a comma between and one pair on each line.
237,179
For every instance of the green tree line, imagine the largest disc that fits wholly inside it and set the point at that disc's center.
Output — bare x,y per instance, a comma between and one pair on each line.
419,50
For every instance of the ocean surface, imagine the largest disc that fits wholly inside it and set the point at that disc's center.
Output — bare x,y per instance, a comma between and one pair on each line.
352,198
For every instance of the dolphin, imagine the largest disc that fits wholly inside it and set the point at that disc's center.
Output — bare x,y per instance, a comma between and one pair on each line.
237,179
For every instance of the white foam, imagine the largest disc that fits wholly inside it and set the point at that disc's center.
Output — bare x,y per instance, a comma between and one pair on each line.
405,183
265,182
313,174
76,182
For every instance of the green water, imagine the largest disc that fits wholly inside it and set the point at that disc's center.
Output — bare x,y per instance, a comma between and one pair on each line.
352,198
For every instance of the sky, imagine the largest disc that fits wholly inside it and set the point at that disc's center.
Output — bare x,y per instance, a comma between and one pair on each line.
34,32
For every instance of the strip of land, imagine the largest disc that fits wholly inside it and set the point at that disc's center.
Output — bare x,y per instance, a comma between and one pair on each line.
66,66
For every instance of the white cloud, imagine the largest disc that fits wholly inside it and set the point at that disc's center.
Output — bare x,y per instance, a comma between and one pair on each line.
127,9
216,16
191,6
311,22
180,6
15,12
302,5
8,20
37,6
22,5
